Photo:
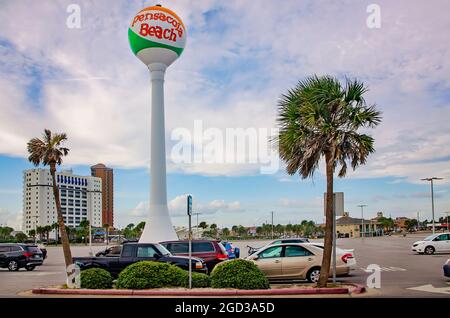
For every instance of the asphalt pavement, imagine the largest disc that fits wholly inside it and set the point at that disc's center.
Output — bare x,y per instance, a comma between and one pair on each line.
403,273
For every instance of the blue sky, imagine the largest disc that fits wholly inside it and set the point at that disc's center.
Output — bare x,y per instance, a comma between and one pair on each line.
240,57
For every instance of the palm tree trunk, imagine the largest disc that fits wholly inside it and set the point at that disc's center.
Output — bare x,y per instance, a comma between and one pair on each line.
62,227
328,244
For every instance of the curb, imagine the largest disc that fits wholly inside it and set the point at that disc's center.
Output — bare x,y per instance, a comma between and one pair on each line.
231,292
359,289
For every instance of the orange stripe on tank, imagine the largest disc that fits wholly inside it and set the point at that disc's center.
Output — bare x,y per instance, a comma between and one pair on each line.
166,11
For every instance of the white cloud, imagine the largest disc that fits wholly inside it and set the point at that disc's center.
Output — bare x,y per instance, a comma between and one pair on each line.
87,83
11,219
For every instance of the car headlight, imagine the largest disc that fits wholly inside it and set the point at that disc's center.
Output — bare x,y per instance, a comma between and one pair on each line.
414,245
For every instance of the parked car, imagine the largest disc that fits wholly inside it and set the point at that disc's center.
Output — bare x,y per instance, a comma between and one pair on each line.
294,261
436,243
447,268
252,250
43,250
15,256
233,252
211,251
112,251
347,255
130,240
136,252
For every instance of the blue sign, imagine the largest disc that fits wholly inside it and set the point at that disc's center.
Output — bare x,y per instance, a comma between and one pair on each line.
189,205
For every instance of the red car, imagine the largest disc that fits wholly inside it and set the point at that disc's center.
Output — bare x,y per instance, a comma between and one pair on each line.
212,252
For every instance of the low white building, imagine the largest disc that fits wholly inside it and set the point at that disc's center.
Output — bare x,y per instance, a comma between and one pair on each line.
80,196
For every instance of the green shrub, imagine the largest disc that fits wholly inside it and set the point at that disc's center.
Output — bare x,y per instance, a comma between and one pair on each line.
240,274
145,274
199,280
96,278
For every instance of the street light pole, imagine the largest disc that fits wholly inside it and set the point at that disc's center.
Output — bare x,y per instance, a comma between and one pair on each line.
362,218
35,229
432,196
197,214
272,224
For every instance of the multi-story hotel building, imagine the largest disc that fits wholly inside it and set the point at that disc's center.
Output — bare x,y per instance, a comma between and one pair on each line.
80,199
107,176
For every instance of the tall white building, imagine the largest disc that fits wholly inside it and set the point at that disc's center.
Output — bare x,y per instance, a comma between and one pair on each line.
81,199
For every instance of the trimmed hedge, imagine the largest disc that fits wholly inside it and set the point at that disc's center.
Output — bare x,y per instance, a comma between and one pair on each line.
240,274
96,278
199,280
146,274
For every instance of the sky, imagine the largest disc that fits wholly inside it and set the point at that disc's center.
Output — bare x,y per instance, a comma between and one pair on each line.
239,58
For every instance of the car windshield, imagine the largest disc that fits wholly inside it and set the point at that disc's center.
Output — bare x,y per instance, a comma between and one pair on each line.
162,249
429,238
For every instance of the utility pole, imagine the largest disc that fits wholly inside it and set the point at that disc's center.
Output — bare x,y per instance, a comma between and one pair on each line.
418,221
362,218
35,229
272,224
197,214
432,196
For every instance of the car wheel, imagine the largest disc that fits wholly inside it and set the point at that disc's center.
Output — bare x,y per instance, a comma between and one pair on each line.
429,250
30,267
313,275
13,266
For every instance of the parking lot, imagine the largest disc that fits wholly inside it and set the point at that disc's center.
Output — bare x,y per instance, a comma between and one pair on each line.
403,273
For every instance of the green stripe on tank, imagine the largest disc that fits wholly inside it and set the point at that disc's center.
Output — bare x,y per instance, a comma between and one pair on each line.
138,43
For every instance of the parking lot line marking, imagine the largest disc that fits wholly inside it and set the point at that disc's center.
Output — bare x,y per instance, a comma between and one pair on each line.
386,269
431,289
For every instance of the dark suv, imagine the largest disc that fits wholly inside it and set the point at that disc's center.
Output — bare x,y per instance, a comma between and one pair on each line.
16,256
212,252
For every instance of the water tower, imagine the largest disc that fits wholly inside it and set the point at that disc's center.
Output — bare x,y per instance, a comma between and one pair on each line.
157,37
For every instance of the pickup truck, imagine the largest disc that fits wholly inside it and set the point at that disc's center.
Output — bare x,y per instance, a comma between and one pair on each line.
136,252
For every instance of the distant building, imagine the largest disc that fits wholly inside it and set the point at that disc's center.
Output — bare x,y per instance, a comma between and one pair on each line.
107,176
380,228
80,198
400,223
251,231
347,226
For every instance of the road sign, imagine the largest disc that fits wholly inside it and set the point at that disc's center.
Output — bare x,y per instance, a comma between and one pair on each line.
189,213
338,203
189,205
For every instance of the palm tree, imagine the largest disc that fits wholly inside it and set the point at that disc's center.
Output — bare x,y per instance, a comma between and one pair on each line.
40,231
225,231
55,226
32,233
50,152
85,226
47,230
320,118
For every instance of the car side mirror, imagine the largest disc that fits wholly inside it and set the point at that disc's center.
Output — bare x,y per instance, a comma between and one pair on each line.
156,255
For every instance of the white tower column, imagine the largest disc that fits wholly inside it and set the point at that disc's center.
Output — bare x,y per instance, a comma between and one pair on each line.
158,226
